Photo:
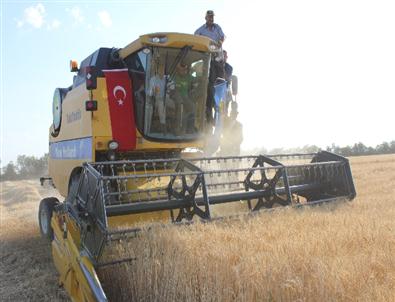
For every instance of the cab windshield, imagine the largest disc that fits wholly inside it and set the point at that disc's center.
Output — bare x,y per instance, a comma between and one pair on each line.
175,93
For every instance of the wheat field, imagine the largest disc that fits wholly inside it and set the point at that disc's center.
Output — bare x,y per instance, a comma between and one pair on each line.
340,252
27,272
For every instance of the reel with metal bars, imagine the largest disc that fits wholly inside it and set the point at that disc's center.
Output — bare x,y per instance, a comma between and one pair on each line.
180,190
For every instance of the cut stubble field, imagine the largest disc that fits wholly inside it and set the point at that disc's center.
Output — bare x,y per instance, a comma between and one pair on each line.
340,252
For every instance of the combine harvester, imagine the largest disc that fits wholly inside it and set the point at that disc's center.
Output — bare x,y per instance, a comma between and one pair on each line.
126,149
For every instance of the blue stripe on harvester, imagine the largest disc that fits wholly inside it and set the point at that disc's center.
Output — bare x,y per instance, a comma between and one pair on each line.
72,149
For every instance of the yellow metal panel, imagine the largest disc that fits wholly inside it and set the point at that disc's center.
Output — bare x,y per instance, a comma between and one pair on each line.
76,122
74,230
101,123
136,219
60,260
131,48
67,260
144,144
60,170
176,40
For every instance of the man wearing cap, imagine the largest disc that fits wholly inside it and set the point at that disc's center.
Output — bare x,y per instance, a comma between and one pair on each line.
214,32
210,29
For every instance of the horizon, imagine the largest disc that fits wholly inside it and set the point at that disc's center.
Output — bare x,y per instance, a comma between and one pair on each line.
253,150
309,73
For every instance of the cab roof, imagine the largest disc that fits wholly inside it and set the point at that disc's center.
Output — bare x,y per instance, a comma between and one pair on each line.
163,39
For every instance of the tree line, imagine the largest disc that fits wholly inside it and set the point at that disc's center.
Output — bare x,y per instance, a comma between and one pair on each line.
31,166
357,149
25,167
360,149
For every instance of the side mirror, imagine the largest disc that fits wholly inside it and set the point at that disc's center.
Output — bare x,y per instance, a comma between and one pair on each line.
115,58
73,66
234,85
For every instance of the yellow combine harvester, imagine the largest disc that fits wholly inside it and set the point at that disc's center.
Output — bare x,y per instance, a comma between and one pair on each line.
126,147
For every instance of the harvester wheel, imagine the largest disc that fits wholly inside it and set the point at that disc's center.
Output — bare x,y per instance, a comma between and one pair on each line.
73,188
44,216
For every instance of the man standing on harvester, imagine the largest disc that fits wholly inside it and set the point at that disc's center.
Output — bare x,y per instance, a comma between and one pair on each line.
219,68
214,32
210,29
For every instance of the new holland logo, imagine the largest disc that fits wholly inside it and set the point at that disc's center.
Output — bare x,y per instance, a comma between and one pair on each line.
73,116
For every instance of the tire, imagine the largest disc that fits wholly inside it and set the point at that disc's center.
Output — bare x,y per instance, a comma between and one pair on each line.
45,215
73,188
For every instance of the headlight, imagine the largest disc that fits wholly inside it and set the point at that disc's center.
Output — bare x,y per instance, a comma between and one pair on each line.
113,145
162,39
111,155
213,47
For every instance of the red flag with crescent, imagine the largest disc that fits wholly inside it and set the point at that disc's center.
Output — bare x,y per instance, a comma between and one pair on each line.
120,103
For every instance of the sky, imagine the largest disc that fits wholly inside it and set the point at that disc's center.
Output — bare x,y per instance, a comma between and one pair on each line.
310,72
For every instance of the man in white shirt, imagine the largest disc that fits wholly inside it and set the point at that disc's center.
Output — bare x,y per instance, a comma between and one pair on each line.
210,29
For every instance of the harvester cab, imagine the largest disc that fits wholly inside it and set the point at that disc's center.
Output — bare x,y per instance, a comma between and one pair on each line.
117,155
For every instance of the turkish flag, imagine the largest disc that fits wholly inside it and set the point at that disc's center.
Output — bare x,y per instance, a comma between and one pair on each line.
120,103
